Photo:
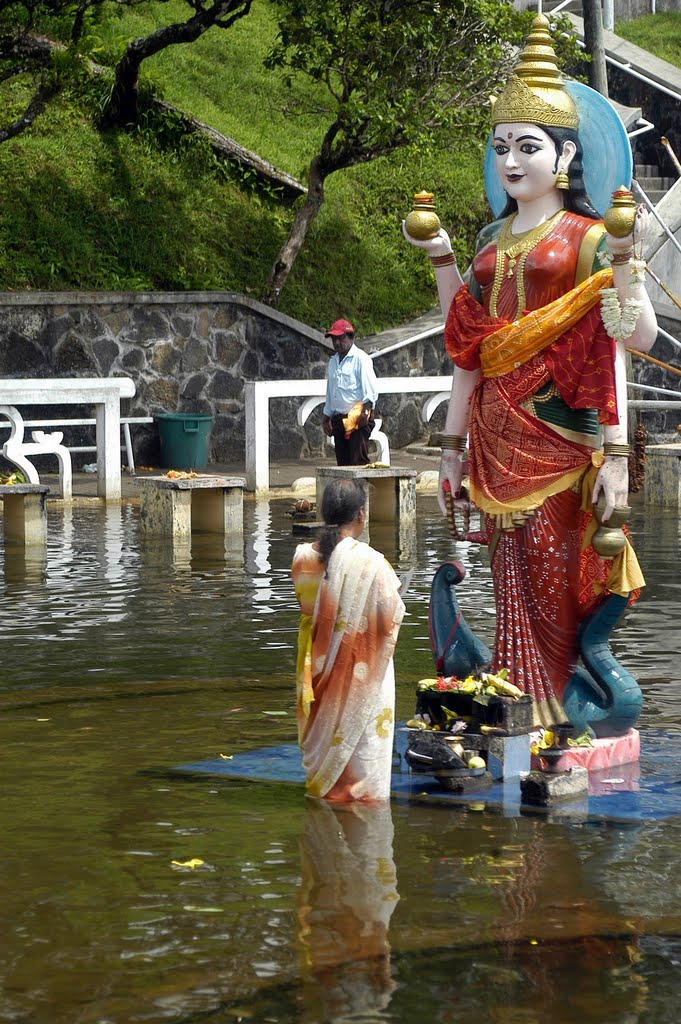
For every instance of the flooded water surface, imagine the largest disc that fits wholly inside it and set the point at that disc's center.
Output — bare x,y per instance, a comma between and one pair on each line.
131,893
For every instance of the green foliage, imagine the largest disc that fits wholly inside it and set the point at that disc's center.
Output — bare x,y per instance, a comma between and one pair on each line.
658,33
109,212
156,209
356,262
397,72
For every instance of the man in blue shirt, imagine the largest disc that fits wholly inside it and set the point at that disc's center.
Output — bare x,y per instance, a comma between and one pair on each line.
351,393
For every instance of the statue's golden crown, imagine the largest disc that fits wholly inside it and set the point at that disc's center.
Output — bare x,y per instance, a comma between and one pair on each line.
536,93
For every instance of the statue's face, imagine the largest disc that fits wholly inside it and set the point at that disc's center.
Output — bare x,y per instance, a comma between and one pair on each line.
526,161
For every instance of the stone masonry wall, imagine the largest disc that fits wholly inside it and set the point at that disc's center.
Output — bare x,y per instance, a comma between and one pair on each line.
189,353
192,353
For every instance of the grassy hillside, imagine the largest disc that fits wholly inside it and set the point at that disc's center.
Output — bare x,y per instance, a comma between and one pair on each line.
660,34
145,210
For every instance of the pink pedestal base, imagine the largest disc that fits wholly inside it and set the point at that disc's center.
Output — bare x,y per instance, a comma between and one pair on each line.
605,753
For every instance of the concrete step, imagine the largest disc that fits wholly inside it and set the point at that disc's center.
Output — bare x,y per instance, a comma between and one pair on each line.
646,171
654,196
658,183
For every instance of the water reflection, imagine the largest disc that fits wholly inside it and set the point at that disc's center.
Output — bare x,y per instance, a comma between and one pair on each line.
346,898
258,540
24,564
124,658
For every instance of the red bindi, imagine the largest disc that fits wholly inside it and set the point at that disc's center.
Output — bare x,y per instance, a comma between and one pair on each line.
510,135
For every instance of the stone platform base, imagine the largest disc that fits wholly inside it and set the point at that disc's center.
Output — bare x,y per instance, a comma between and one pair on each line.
176,508
24,513
605,753
546,789
391,495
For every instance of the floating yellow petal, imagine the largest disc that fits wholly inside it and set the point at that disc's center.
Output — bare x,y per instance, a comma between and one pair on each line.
195,862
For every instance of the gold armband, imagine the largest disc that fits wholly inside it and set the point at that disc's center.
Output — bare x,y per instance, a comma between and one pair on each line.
453,443
612,448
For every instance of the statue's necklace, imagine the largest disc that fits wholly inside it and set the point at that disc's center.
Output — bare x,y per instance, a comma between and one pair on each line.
512,251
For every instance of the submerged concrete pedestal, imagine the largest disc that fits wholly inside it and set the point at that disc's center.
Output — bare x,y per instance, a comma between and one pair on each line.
391,494
547,789
202,504
508,756
663,475
24,513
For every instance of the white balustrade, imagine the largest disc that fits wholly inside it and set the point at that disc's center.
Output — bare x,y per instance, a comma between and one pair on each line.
258,395
103,393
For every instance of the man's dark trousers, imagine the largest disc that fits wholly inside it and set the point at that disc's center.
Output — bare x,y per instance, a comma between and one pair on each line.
354,450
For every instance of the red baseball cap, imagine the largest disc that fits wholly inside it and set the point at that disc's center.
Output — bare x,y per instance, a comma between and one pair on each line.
340,327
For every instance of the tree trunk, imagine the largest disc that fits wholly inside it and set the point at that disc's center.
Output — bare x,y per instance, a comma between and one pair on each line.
283,264
122,106
593,42
35,107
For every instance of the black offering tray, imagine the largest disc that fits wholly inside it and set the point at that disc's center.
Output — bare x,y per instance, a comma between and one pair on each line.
512,715
431,753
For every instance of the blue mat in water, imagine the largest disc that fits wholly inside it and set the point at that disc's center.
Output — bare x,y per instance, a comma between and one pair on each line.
649,790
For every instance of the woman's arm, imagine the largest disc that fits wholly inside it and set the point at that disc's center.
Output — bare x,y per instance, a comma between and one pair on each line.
612,479
447,274
449,280
629,286
456,425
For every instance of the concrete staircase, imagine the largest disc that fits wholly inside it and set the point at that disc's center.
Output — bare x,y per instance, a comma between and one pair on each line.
653,184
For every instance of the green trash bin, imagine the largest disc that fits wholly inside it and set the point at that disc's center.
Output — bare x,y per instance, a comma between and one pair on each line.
184,439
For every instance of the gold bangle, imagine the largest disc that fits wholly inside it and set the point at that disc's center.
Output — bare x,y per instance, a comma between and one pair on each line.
613,448
453,443
617,258
448,260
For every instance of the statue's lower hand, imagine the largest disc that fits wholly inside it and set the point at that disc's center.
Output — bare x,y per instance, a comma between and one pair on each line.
612,481
440,245
451,469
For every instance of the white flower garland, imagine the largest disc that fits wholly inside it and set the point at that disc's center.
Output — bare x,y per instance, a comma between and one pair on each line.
618,322
638,271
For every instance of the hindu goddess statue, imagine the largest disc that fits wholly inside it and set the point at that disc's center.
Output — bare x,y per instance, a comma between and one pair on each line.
538,336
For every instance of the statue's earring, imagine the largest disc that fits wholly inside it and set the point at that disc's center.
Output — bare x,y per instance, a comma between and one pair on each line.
562,180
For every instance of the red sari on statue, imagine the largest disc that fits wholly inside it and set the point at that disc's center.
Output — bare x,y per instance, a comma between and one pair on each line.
548,381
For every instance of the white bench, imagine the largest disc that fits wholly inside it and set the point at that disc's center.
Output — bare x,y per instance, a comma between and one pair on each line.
104,393
126,423
377,435
17,450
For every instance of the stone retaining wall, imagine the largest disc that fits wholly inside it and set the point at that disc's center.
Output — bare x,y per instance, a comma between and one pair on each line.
191,352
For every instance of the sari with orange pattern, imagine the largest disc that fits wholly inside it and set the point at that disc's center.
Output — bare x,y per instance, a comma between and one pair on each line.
345,679
547,384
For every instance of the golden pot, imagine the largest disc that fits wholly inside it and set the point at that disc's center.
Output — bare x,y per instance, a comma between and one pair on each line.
619,218
422,222
609,538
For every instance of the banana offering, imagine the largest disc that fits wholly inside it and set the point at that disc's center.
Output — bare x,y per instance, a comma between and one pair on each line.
488,683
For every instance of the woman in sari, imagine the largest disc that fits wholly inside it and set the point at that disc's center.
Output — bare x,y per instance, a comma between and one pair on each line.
351,612
538,339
